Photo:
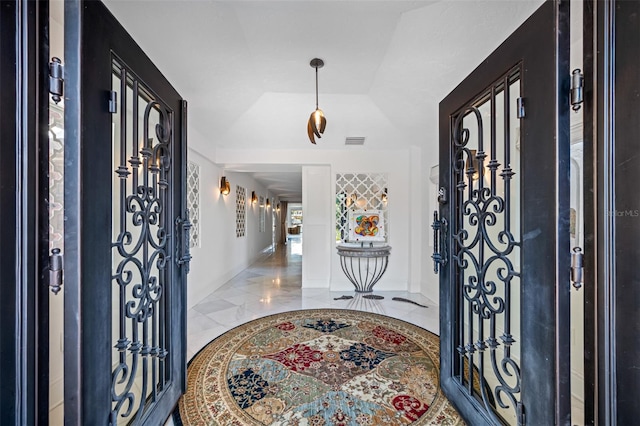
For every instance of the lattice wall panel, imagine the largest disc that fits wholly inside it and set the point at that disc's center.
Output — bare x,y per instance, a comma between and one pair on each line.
359,191
241,209
193,202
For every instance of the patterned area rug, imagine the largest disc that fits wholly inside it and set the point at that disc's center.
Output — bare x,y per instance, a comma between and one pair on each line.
319,367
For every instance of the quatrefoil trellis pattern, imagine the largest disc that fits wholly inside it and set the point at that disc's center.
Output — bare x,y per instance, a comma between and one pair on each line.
193,203
241,208
359,191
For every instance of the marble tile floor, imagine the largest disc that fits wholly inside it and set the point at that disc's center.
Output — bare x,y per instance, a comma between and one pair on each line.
273,284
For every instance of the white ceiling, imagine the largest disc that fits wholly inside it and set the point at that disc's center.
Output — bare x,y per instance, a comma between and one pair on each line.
243,66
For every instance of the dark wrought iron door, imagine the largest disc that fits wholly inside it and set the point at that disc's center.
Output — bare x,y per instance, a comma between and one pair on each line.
126,231
504,230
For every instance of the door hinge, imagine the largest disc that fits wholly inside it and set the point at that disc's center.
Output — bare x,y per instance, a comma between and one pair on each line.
520,112
577,89
520,414
113,101
577,268
55,271
56,79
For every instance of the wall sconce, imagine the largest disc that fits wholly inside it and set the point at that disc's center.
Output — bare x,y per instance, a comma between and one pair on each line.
383,197
254,197
352,199
225,188
278,207
472,165
268,203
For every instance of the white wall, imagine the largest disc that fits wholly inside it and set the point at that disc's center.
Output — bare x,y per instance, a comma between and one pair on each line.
316,241
430,284
404,230
221,254
416,219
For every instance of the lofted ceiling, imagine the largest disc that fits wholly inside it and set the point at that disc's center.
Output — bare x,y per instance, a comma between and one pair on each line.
243,66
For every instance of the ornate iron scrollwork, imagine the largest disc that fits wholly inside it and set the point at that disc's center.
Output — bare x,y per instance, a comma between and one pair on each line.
483,245
439,255
143,223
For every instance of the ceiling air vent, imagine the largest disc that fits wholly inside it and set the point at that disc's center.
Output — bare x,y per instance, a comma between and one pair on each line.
354,141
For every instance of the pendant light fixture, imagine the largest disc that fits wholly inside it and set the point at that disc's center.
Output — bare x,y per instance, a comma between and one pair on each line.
317,122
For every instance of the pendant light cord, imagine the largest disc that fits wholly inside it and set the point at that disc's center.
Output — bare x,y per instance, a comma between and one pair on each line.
316,87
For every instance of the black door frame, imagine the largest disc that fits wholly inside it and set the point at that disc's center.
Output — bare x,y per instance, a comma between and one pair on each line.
545,287
612,132
24,299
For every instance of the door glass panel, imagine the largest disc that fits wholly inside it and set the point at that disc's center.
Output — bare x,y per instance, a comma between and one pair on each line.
141,227
486,244
56,223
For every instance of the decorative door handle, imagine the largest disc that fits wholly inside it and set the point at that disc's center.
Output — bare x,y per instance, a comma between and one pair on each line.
183,254
439,244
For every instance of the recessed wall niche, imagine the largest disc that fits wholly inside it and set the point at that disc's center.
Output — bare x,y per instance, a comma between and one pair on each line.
241,207
360,191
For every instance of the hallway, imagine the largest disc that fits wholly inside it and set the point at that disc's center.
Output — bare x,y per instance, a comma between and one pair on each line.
272,285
